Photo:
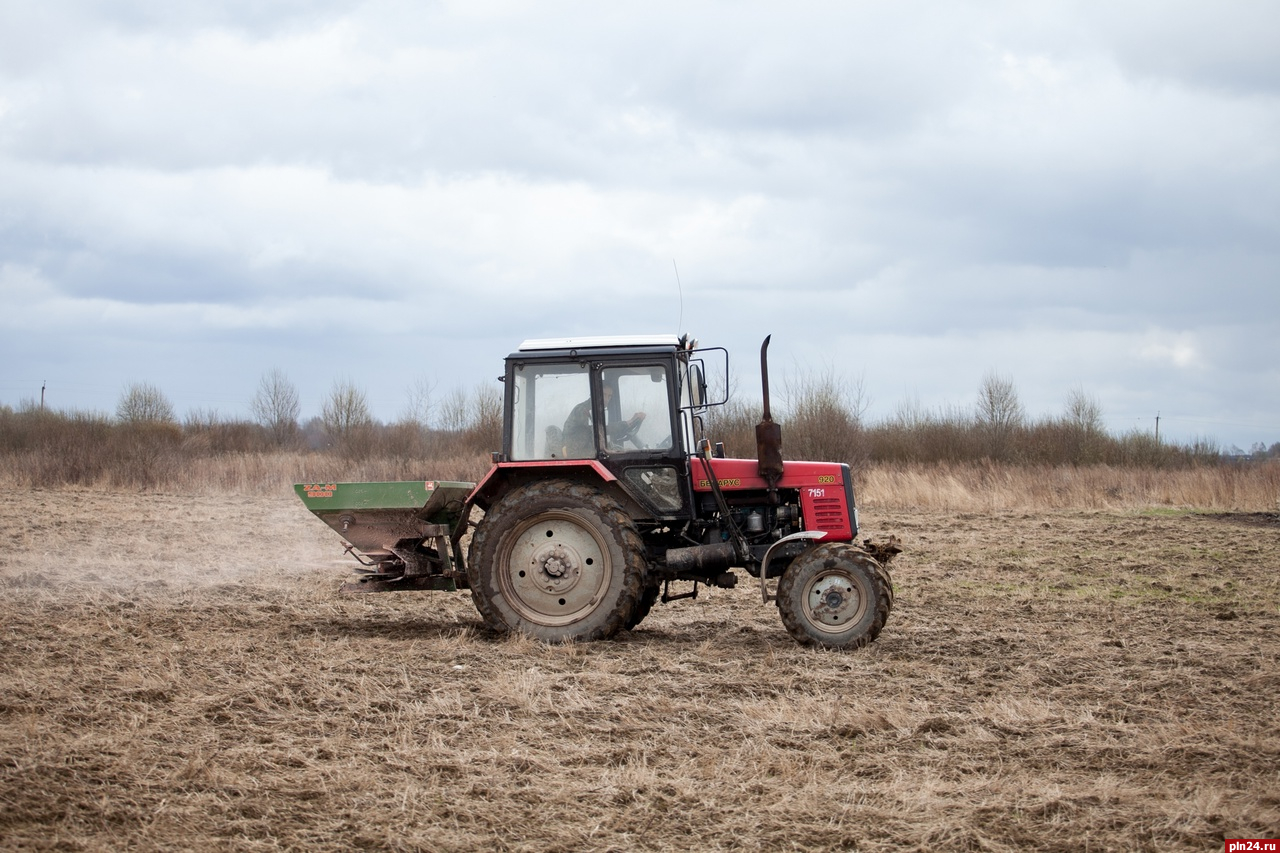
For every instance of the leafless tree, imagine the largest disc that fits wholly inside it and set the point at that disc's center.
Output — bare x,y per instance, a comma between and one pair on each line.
1083,411
452,414
345,416
824,417
1084,437
486,416
276,407
420,408
1000,413
143,402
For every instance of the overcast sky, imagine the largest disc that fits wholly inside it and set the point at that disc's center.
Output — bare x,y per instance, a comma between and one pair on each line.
914,195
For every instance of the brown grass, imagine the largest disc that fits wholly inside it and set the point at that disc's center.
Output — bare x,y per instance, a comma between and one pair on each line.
979,486
178,671
249,473
991,486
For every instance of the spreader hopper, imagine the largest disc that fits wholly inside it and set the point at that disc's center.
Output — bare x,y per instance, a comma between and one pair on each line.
403,531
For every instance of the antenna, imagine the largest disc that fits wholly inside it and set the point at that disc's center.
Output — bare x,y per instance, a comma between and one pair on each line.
680,288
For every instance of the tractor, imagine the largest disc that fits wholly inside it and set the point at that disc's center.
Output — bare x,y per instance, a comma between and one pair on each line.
608,496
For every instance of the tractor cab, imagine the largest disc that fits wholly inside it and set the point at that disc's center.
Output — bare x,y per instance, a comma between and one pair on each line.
628,404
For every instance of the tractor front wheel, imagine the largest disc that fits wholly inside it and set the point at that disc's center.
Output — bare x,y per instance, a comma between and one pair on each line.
558,561
835,596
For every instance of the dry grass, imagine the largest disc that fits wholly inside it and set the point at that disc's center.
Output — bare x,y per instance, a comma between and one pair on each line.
985,487
1253,487
178,672
243,473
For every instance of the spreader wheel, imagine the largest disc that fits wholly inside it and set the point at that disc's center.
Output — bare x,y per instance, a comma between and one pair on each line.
558,561
835,596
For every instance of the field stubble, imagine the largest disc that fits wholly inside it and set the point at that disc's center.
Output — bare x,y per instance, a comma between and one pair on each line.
179,672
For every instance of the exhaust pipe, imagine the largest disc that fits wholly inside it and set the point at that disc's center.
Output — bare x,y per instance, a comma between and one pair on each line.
768,433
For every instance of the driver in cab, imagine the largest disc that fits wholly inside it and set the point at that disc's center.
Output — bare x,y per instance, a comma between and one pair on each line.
579,436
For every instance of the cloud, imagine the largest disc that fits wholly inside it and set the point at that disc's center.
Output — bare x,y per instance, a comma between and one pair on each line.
1180,350
1085,192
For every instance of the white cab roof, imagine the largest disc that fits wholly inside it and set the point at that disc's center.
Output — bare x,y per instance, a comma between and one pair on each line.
601,341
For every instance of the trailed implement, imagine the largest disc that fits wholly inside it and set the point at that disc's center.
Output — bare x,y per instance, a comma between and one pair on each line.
405,534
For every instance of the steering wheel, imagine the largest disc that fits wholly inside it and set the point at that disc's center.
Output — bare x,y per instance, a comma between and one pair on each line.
626,431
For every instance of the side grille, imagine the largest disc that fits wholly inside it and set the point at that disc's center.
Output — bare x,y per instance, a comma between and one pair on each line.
829,515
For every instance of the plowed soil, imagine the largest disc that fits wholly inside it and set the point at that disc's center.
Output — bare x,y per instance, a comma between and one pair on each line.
182,673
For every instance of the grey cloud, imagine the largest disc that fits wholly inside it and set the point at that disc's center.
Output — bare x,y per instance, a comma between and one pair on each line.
1230,46
1085,191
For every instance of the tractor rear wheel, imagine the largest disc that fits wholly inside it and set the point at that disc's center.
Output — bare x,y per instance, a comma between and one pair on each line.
835,596
558,561
648,598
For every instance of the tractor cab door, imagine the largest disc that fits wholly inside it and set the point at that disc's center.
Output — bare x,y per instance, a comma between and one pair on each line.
640,441
638,409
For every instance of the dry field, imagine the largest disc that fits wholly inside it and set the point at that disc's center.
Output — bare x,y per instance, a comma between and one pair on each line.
181,673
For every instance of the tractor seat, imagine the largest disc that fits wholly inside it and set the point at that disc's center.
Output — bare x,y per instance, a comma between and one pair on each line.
555,444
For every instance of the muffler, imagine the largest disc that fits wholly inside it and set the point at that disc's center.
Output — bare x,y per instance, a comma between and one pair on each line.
768,433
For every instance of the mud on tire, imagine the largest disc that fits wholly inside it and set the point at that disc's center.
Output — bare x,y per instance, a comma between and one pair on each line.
835,596
557,560
648,597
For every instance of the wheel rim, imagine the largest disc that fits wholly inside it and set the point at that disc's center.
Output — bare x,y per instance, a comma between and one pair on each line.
555,570
833,601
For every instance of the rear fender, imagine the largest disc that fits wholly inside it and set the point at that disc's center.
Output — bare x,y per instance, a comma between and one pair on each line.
505,476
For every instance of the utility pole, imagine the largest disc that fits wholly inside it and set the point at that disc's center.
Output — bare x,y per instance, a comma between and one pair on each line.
1157,427
43,383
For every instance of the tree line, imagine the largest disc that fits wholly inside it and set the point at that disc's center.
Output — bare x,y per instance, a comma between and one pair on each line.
823,418
460,421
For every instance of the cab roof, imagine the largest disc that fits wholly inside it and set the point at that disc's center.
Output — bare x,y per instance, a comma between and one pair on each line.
602,342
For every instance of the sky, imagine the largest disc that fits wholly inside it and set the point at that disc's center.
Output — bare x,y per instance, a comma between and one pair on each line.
907,196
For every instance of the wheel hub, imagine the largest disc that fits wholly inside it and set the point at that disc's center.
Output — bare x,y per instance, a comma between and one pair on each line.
559,568
833,600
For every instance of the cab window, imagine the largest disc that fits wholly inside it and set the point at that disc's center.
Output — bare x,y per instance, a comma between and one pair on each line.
637,408
551,412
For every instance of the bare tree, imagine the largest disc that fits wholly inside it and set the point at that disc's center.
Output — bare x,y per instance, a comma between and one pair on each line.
420,407
345,417
1000,413
451,414
909,414
1083,419
486,417
1083,412
824,417
276,407
143,402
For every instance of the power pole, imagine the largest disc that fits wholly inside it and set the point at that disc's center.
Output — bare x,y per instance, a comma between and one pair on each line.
43,383
1157,427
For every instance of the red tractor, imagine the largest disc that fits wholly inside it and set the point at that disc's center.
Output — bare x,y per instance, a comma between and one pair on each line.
606,494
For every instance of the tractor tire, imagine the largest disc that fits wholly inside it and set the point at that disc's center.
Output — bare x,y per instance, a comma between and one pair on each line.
648,597
558,561
835,596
